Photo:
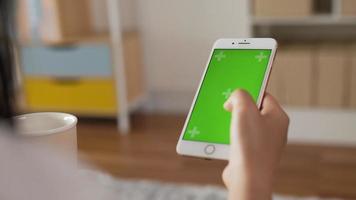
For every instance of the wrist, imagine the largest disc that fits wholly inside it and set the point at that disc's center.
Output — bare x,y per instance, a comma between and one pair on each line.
251,186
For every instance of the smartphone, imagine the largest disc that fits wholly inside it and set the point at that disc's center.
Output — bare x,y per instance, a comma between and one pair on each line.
233,64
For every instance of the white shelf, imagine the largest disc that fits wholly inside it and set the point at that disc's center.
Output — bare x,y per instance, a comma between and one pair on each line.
322,126
331,20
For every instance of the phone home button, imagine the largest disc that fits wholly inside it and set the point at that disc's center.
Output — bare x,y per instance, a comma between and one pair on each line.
209,149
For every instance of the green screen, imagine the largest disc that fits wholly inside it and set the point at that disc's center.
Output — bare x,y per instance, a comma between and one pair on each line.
229,69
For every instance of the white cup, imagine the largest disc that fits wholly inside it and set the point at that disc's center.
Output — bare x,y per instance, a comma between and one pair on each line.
56,130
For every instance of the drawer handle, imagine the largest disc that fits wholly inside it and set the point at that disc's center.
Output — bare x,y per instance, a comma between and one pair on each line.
64,48
67,81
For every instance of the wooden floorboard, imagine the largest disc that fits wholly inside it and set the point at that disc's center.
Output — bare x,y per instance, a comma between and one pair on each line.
148,152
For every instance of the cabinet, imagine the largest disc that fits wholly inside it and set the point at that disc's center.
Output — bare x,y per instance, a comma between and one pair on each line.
317,71
314,73
348,7
292,75
332,63
352,70
285,8
68,66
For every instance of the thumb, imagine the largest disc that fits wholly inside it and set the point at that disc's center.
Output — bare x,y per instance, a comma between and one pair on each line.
240,100
243,108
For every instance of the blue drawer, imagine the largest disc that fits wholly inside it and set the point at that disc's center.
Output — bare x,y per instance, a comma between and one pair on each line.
84,60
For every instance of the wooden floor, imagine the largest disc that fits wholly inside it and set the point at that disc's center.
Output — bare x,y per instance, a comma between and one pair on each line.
149,153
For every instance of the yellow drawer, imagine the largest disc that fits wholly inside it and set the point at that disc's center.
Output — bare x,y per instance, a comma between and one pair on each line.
83,96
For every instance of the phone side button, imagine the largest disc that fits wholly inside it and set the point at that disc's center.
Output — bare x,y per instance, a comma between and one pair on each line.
209,149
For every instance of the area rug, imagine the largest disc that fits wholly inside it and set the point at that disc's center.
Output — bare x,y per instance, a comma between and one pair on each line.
125,189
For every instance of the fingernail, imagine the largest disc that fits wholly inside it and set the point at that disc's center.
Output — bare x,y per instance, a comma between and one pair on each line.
227,105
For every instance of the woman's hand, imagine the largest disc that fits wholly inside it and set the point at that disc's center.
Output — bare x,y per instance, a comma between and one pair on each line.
257,140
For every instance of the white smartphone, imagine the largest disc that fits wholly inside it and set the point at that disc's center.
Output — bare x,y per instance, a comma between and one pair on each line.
233,64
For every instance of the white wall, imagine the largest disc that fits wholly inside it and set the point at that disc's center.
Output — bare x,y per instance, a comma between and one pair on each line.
177,38
100,19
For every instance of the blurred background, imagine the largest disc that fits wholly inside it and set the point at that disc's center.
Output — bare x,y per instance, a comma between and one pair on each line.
129,69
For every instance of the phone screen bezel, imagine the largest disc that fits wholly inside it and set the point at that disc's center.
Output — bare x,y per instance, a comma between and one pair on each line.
196,148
